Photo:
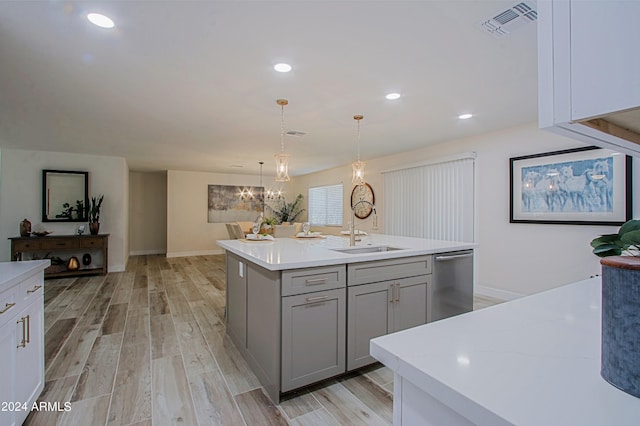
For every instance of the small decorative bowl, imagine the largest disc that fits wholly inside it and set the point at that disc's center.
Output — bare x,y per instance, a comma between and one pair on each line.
40,233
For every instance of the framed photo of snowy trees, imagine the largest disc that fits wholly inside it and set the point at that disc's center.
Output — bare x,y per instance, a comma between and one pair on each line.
581,186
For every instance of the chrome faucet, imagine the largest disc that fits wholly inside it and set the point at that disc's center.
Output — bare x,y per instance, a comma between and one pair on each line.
352,224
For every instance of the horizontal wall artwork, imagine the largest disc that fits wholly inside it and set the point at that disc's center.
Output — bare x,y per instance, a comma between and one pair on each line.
582,186
228,203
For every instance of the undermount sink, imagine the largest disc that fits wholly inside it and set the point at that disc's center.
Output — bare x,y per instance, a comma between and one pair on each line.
366,249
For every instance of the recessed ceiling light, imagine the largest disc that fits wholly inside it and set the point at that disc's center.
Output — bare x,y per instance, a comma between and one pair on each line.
282,67
100,20
465,116
392,96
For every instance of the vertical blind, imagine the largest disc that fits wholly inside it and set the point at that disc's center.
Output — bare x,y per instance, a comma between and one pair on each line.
325,205
431,201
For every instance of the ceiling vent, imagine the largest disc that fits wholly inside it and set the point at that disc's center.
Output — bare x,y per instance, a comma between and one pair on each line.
296,133
507,21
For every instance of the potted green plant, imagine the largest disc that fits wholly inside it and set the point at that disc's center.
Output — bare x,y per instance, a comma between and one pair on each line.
288,212
620,263
94,214
269,222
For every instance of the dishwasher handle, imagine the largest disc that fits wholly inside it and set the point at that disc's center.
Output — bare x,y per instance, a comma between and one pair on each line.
454,256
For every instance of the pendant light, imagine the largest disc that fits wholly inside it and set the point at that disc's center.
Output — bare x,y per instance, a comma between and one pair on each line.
282,159
358,166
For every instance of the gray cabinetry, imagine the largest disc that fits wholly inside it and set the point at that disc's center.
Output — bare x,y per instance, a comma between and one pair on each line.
236,309
313,337
380,308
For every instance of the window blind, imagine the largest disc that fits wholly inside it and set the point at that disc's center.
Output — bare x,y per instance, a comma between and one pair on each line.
431,201
325,205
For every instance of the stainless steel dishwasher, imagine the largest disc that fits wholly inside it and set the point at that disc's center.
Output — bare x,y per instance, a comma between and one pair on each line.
452,287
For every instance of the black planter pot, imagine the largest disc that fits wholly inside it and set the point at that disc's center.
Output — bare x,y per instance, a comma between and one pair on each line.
620,355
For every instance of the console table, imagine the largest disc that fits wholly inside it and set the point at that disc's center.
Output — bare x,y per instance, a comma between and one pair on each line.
65,246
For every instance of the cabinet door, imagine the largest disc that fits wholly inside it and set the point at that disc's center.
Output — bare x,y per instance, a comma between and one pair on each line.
605,81
313,337
237,300
369,316
8,343
410,302
30,355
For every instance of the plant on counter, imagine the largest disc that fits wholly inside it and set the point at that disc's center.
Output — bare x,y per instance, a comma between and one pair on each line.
625,243
269,222
288,212
94,209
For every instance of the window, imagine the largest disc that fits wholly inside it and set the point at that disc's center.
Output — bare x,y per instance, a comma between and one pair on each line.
325,205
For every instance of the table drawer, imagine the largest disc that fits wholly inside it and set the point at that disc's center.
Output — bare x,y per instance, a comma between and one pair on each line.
59,243
307,280
26,245
91,242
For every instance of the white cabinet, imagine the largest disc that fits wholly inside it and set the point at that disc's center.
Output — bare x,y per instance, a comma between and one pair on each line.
21,338
8,341
588,71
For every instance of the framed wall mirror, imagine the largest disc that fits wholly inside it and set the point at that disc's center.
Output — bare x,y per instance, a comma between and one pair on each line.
65,196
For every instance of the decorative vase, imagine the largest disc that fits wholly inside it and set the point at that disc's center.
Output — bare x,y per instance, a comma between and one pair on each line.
94,228
73,264
620,353
86,259
25,228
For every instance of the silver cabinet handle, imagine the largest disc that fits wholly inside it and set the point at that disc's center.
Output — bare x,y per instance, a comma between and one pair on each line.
455,256
33,290
392,293
7,307
317,298
397,292
316,280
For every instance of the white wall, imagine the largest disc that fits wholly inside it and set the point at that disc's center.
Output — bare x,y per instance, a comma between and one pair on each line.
188,232
147,213
512,259
21,196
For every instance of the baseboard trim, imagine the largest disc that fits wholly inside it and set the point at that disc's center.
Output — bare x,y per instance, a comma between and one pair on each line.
117,268
145,252
194,253
497,293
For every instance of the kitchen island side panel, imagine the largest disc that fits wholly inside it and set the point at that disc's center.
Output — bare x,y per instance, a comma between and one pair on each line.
263,327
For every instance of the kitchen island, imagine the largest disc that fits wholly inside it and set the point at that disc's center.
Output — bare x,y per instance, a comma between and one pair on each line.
301,310
531,361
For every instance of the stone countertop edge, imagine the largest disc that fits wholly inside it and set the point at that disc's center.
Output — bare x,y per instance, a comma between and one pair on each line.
12,272
290,253
532,360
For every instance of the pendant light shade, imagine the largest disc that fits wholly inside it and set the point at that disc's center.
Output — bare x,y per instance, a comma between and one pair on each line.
357,177
282,159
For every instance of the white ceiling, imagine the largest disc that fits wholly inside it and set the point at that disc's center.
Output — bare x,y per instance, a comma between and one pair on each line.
187,85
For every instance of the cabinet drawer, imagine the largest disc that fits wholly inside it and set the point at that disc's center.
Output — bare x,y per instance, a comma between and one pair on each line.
91,242
299,281
31,288
58,243
26,245
391,269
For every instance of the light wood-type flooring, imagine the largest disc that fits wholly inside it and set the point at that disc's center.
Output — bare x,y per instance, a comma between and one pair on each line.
148,347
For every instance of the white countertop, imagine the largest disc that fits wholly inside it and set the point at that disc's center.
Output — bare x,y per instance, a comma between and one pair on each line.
293,253
531,361
14,272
